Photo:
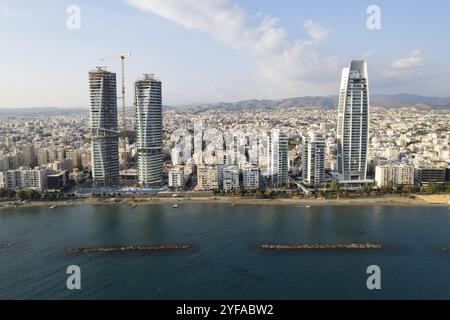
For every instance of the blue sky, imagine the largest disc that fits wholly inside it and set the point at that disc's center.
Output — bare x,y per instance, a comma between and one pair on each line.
221,50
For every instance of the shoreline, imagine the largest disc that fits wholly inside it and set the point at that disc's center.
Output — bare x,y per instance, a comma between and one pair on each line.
388,201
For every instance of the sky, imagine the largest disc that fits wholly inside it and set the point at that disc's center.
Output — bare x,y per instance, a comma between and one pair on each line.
220,50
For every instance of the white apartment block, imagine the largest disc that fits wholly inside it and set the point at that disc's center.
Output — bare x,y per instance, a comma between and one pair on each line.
278,163
313,160
230,180
3,183
25,178
250,175
207,178
176,178
397,174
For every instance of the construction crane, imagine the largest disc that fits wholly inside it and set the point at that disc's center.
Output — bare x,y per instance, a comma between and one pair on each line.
122,57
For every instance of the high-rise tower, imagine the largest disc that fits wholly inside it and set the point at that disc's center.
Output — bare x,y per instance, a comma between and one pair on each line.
104,131
278,162
313,160
353,123
148,114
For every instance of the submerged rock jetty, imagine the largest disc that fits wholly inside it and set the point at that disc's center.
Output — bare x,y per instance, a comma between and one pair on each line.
129,249
6,245
325,246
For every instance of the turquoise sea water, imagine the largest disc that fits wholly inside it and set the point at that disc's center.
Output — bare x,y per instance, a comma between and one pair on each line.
225,261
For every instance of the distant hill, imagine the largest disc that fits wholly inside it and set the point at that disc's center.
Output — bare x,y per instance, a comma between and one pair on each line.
408,100
328,102
15,112
299,102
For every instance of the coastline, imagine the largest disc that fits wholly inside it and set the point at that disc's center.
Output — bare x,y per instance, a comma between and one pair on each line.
387,201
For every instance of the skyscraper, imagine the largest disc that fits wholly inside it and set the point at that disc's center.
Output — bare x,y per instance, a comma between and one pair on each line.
313,160
104,131
148,104
278,162
353,123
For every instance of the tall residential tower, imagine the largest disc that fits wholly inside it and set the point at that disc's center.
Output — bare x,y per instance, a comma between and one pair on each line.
278,163
148,114
104,131
313,160
353,124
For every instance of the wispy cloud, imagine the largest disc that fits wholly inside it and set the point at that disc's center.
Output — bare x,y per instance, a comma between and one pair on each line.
284,61
414,60
315,31
406,66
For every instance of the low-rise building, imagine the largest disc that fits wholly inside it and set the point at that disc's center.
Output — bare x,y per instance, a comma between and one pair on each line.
423,176
250,178
25,178
207,178
230,180
396,174
57,182
176,178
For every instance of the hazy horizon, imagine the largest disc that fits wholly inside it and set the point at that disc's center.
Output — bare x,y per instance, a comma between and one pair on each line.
86,107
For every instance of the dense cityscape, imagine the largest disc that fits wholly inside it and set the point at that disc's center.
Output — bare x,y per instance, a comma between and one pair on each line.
305,151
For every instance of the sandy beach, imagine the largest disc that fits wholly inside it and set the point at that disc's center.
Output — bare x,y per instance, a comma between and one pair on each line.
419,201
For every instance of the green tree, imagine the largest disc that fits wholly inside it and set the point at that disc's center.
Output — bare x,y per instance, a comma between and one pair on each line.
407,189
7,193
32,194
389,187
52,196
366,190
11,194
432,188
335,186
21,195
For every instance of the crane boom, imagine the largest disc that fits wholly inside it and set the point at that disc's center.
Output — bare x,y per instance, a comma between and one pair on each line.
122,57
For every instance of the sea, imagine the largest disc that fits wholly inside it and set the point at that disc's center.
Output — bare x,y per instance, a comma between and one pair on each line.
225,259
